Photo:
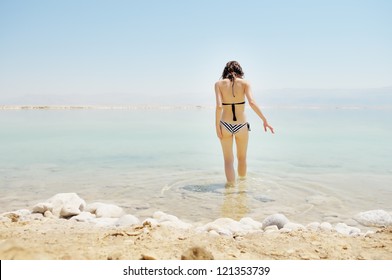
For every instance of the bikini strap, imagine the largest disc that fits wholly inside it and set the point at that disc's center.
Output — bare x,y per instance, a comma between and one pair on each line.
233,108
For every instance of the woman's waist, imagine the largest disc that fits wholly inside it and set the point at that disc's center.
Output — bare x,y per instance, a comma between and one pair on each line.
228,117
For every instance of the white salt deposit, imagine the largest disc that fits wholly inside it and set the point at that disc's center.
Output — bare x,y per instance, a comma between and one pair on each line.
376,218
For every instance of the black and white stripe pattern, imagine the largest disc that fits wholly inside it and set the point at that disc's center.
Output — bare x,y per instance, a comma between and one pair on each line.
233,128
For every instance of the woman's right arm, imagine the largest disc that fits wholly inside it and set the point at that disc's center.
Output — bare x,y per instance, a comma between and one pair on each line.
218,111
256,108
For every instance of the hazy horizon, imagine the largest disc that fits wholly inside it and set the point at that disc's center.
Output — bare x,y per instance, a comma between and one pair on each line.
173,52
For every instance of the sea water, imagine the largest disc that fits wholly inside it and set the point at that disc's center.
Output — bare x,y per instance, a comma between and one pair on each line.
320,165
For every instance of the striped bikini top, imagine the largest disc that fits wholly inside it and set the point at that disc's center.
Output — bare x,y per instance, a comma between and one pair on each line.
233,108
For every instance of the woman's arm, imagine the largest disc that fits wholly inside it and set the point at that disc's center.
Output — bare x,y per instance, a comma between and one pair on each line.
218,111
256,108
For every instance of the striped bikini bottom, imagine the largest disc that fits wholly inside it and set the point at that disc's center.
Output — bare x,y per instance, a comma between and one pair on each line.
234,128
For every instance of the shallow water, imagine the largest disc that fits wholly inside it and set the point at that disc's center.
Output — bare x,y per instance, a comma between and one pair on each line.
321,165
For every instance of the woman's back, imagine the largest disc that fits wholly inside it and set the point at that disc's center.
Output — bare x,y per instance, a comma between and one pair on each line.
233,94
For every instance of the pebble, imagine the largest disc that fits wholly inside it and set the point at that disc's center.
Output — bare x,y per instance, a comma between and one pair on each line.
104,210
293,226
127,220
84,217
313,226
342,228
278,220
325,226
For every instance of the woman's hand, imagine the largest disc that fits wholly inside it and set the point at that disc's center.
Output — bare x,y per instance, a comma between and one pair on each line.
266,125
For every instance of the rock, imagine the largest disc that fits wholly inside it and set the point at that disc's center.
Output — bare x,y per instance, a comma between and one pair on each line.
278,220
346,230
64,205
197,253
326,226
104,222
313,226
42,207
127,220
376,218
251,224
272,228
293,226
170,220
223,226
104,210
151,222
84,217
48,214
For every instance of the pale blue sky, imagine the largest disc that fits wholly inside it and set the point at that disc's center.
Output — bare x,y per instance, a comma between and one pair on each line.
166,50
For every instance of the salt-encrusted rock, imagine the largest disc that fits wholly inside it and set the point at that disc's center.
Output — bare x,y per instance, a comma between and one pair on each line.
150,221
313,226
325,226
376,218
269,229
84,217
342,228
278,220
35,216
104,210
170,220
250,223
223,226
42,207
65,204
48,214
293,226
104,222
127,220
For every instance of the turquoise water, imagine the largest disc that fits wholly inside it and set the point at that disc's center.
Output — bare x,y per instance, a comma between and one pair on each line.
321,165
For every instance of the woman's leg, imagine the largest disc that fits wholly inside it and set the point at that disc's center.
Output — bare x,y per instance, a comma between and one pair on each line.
241,139
227,148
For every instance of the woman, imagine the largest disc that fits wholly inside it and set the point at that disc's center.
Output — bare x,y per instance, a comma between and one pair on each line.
230,119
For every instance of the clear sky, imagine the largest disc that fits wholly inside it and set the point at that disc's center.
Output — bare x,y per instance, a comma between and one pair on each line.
162,50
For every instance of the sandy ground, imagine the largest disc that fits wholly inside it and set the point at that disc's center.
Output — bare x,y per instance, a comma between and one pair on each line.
63,239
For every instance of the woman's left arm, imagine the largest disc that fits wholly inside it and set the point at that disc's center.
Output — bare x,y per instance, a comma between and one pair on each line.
218,111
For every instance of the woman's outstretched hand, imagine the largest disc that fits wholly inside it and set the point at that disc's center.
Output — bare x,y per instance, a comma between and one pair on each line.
266,125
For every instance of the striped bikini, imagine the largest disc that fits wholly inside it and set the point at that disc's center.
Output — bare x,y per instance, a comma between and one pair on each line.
234,128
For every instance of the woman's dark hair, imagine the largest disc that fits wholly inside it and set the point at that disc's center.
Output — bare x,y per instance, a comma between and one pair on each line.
232,70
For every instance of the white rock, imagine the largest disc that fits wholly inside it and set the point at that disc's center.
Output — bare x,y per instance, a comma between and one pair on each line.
342,228
127,220
278,220
70,202
250,223
84,217
104,222
271,229
150,221
223,226
49,214
104,210
285,230
42,207
313,226
293,226
376,218
170,220
325,226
